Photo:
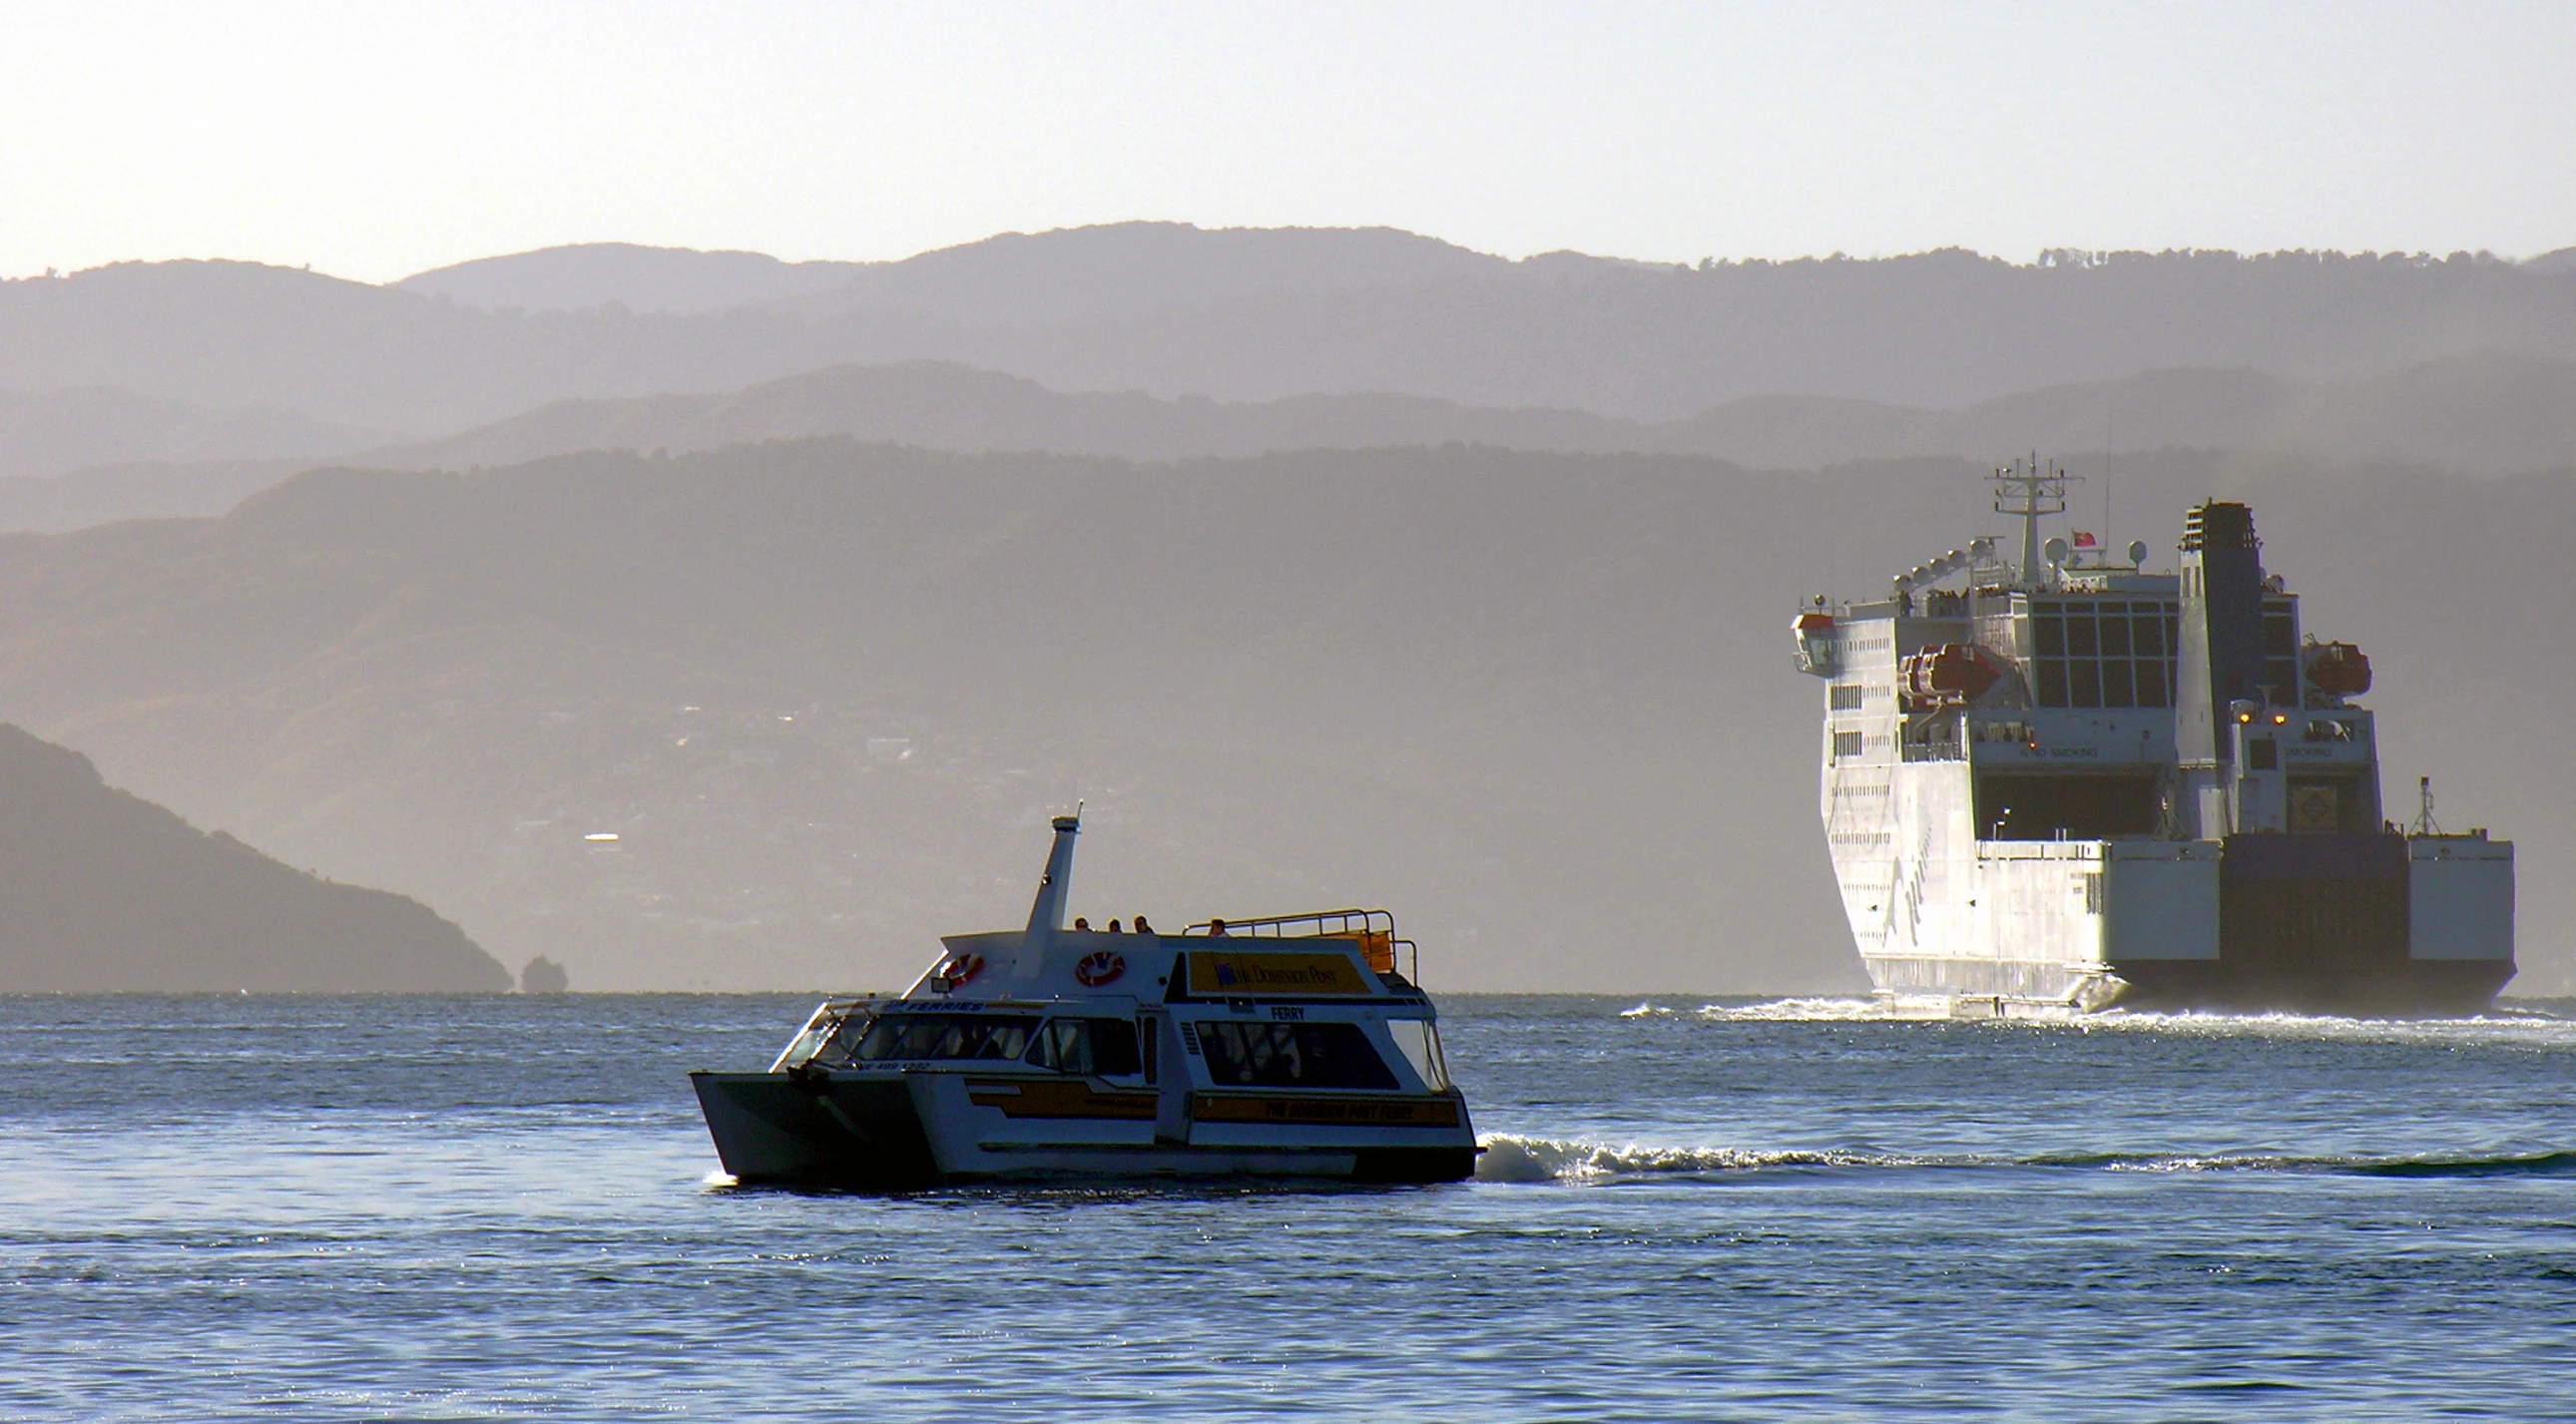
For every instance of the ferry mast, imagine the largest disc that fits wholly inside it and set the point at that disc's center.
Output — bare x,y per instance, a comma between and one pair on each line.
2027,489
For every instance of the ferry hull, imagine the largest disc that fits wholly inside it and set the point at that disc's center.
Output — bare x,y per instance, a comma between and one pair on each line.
869,1132
810,1130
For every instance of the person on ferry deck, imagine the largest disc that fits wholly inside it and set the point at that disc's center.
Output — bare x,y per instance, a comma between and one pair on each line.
1080,923
1216,928
1113,928
1142,927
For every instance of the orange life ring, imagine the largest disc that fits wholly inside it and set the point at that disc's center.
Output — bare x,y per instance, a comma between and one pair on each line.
961,969
1099,967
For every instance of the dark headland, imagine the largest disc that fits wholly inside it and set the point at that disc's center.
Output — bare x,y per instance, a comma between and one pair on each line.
102,891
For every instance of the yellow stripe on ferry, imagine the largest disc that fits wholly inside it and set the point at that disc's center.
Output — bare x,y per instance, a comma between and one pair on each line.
1383,1110
1258,973
1058,1097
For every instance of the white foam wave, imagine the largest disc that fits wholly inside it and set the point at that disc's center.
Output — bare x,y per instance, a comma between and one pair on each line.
1838,1009
2500,1025
1509,1158
2508,1027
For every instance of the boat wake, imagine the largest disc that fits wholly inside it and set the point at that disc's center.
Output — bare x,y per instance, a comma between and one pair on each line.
2518,1025
1512,1159
1873,1008
1540,1159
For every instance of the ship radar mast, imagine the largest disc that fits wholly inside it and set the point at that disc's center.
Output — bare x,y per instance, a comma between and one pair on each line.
2029,488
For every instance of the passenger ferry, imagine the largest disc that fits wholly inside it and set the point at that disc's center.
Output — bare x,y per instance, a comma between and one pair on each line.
1287,1046
2064,782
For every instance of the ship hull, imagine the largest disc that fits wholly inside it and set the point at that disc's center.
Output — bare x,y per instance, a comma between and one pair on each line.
892,1132
2378,925
2437,988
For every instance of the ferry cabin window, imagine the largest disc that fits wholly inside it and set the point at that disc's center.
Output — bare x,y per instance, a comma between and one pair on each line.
2104,653
1291,1055
908,1036
1086,1046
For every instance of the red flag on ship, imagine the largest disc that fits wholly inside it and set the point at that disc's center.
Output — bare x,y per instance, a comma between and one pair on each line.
2086,541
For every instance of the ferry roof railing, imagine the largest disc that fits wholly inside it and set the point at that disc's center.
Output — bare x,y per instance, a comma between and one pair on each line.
1374,929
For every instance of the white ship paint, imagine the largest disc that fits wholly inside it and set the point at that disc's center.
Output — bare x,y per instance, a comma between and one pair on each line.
2065,782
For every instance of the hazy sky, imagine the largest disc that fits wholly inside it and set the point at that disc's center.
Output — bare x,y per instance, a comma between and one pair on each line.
374,140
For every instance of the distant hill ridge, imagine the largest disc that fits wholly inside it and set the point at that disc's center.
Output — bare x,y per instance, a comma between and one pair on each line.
2489,413
1261,315
101,891
1113,269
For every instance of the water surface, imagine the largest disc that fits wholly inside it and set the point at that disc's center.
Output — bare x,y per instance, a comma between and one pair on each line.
417,1208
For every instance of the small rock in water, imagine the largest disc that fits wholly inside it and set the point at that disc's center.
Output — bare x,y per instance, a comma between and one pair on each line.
543,976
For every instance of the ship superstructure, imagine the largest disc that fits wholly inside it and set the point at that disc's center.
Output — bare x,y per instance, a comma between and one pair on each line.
2063,780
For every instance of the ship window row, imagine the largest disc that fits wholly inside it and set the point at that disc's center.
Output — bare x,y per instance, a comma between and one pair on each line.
1845,696
1847,744
1291,1055
2105,682
2110,630
2105,654
1084,1046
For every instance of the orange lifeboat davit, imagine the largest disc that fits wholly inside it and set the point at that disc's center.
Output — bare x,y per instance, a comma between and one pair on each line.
1951,673
2337,669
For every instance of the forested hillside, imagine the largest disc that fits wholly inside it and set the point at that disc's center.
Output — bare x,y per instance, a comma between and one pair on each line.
823,693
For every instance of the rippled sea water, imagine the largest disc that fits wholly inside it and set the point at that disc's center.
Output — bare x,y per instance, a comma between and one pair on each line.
408,1208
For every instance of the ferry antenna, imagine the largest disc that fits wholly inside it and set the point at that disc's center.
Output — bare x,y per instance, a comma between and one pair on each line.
2027,489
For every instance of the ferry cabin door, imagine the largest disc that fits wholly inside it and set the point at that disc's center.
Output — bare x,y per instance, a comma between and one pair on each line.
1167,1067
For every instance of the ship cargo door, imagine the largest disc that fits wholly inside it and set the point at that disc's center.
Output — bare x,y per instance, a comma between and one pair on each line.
2324,806
2311,916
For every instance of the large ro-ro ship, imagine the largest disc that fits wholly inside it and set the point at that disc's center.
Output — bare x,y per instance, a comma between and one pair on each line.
2065,783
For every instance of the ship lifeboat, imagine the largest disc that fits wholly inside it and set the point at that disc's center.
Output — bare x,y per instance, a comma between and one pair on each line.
1816,652
2338,669
1953,672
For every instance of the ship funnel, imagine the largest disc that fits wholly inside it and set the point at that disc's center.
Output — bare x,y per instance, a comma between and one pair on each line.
2221,659
1046,913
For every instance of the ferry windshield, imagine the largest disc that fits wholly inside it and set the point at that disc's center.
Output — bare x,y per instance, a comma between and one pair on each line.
1292,1055
1420,1043
944,1036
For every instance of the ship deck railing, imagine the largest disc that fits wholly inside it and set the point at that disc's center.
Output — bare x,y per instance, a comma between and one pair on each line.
1374,929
